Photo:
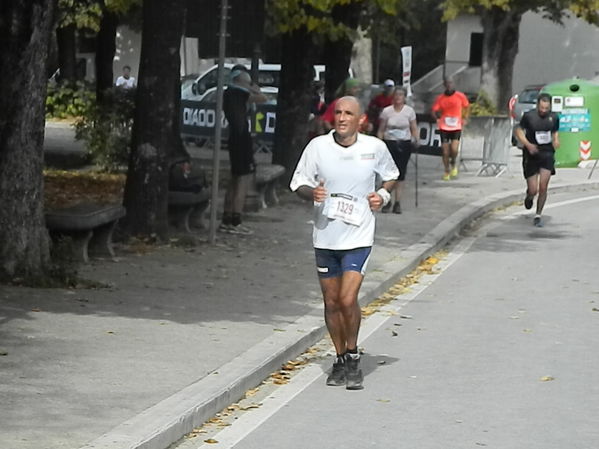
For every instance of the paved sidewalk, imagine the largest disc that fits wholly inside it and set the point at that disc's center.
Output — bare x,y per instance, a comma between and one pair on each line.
183,332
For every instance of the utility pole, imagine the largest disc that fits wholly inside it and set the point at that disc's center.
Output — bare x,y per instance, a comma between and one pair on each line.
222,42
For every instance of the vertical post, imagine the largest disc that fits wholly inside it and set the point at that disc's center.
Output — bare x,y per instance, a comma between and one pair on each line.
416,177
222,41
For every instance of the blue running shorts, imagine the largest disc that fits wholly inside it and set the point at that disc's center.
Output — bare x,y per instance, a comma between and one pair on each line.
332,263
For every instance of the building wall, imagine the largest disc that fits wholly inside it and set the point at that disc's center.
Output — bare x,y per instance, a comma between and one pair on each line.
547,52
550,52
458,37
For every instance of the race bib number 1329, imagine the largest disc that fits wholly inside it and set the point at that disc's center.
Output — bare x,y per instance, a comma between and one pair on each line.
346,208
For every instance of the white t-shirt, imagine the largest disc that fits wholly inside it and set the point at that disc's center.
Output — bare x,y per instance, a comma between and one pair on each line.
349,174
124,82
398,123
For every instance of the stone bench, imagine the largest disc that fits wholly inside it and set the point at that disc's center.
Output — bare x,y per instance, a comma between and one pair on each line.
267,176
89,225
186,208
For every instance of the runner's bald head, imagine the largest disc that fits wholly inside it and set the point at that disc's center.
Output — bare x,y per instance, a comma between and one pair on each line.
353,101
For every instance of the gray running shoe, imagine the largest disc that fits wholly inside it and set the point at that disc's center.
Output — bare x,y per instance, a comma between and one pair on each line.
337,376
240,230
353,373
537,222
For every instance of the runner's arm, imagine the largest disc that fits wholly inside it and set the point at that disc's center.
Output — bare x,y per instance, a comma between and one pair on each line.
555,138
382,127
414,132
530,147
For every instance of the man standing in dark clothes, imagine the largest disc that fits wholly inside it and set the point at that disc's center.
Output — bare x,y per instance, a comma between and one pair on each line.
240,93
538,132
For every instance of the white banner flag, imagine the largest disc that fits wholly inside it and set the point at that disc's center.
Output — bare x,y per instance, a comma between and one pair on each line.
406,58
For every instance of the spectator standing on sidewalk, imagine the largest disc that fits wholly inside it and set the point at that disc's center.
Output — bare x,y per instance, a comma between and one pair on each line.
237,98
451,109
399,129
538,132
338,171
380,102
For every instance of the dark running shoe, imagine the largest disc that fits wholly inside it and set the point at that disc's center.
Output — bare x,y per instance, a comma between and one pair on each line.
337,376
397,208
528,202
537,222
353,373
386,209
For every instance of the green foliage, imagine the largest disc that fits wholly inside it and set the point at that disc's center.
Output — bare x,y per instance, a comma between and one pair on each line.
482,106
286,16
86,14
553,10
68,100
106,129
81,13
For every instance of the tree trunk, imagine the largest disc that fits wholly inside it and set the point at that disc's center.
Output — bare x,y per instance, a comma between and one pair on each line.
67,53
337,53
105,50
25,29
154,135
293,102
500,47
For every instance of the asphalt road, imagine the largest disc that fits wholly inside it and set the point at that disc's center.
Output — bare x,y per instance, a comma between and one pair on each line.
497,350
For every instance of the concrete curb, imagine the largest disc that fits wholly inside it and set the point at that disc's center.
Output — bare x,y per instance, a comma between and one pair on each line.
166,422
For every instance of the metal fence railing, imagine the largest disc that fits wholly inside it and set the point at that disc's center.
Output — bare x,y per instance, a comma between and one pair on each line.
488,140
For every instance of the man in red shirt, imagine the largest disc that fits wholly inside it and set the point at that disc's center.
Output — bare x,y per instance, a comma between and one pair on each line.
451,111
380,102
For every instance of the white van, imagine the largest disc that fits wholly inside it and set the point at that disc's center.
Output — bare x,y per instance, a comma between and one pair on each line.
268,75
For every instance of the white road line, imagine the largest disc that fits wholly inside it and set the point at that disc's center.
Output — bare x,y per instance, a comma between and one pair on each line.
248,422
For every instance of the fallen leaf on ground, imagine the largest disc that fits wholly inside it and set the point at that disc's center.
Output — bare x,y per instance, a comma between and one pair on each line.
547,378
211,441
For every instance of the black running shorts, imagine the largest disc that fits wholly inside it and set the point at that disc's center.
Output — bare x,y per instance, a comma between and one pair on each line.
446,136
532,164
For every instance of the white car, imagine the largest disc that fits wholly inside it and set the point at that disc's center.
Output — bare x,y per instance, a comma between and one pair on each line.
268,75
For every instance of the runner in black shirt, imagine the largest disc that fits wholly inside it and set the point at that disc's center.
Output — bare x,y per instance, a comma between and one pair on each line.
538,132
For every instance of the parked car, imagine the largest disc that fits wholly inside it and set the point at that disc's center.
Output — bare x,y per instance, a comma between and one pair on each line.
521,103
268,75
209,96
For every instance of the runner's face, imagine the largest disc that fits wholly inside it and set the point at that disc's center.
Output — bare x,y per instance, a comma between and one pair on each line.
348,117
543,107
399,98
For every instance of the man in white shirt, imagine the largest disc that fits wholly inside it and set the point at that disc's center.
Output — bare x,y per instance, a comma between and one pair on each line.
338,171
126,81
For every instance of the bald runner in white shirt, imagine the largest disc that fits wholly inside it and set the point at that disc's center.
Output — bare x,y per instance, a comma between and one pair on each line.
338,171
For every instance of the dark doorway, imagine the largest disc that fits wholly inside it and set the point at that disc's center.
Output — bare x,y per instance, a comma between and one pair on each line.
476,50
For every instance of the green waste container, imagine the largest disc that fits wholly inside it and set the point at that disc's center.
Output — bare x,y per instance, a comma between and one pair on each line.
577,103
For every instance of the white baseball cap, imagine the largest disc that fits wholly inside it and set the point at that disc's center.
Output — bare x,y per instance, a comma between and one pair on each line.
389,83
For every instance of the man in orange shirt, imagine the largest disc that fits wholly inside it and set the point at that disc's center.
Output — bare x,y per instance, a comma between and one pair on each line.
451,111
